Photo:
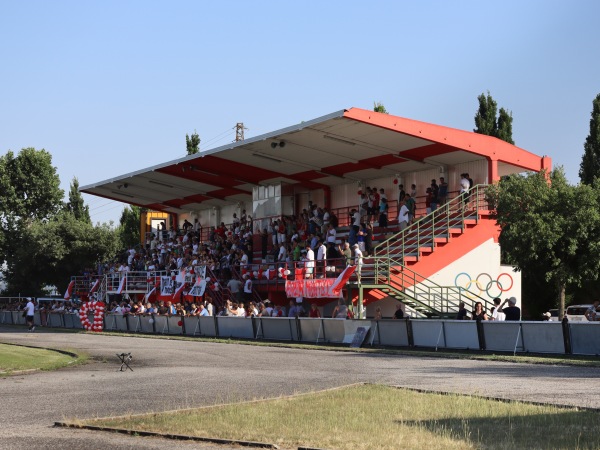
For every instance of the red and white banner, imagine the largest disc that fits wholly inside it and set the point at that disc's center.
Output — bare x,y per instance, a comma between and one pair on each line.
319,288
152,291
69,290
95,286
342,279
122,285
150,294
178,292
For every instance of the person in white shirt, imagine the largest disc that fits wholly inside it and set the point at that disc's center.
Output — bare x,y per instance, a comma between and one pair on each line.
321,256
358,261
310,262
29,313
248,288
498,314
464,189
404,215
282,253
243,260
356,219
331,234
209,308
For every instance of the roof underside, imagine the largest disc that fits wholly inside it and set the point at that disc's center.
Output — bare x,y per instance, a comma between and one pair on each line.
336,149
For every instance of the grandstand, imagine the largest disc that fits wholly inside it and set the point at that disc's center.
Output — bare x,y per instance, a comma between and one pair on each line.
444,256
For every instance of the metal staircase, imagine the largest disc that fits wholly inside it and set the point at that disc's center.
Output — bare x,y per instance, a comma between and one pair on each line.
388,272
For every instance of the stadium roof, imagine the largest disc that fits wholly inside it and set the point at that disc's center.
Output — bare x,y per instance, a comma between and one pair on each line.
345,146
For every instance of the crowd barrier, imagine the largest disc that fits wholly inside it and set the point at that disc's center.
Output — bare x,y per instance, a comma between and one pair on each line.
579,338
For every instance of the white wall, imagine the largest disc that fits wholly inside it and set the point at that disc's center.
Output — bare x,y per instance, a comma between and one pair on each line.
479,267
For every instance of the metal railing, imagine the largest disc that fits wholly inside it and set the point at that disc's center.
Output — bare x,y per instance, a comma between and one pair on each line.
391,275
423,233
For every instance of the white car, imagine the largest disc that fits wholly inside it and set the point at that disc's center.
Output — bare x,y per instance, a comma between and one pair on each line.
576,313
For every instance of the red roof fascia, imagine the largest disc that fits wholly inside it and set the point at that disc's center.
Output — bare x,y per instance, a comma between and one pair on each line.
490,147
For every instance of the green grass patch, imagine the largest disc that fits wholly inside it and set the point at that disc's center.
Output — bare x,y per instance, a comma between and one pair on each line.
17,358
380,417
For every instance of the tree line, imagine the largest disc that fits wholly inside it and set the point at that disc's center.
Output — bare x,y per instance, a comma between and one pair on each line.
43,239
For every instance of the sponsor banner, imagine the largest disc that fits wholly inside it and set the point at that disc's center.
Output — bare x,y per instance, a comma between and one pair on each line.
318,288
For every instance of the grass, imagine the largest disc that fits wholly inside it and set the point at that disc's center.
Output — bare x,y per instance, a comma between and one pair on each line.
14,358
380,417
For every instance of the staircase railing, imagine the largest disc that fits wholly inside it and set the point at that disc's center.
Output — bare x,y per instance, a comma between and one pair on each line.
423,233
437,299
102,290
390,271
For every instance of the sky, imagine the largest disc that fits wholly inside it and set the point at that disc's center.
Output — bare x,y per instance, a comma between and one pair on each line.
110,87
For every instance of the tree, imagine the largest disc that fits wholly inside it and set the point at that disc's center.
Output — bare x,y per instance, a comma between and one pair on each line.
44,241
485,119
590,162
549,227
192,143
505,126
489,123
29,186
129,226
76,204
57,249
378,107
29,191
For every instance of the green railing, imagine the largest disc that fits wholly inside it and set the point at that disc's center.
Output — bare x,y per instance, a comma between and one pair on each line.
391,273
423,233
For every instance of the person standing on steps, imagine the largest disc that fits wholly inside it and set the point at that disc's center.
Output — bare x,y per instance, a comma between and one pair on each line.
442,191
358,261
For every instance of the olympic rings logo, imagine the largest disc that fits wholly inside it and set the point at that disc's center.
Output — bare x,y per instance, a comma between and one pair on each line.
485,283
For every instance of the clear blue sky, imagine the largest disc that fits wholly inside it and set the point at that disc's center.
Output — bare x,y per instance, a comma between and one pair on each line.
109,87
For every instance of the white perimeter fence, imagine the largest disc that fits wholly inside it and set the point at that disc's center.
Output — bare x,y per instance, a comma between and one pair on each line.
515,337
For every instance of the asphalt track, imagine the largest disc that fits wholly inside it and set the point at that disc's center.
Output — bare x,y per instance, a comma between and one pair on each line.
172,374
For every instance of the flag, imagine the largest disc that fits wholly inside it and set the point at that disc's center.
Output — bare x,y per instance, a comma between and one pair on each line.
340,282
179,291
69,290
149,294
122,285
152,291
95,286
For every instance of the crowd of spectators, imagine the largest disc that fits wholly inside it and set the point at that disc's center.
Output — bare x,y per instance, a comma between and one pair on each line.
47,305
